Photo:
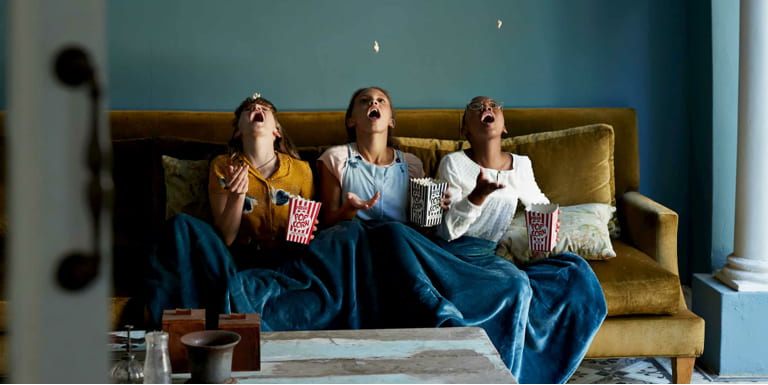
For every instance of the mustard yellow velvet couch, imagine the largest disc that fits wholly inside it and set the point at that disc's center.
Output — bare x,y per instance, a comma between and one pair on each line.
647,315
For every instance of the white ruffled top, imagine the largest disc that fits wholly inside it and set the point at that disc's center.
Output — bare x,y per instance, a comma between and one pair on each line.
491,219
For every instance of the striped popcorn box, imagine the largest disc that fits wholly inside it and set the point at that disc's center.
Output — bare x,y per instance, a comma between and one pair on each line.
541,220
425,195
301,219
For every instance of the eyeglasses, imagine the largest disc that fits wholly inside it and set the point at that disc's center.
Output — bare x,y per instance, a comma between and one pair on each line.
477,106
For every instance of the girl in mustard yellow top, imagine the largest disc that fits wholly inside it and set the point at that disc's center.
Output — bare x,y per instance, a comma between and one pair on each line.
264,201
249,189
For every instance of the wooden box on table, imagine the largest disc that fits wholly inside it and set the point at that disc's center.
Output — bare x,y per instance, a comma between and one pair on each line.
247,354
177,323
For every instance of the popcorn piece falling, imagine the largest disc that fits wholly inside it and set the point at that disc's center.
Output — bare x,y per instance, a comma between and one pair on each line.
375,46
498,24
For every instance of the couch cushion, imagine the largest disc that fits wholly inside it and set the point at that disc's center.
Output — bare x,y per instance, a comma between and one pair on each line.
182,150
571,166
633,283
430,151
523,121
186,187
676,335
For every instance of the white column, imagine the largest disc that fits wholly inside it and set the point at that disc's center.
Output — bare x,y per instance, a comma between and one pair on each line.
747,267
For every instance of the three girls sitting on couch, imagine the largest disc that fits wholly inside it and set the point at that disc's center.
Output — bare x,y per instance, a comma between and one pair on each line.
367,268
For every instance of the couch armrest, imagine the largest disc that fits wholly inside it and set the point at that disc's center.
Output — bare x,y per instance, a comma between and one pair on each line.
650,227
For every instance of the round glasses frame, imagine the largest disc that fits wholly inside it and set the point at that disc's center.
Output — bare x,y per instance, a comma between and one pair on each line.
477,106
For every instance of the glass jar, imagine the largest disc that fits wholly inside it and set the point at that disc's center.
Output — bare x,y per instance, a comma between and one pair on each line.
157,363
127,371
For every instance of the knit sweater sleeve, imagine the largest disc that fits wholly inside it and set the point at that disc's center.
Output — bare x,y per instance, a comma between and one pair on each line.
462,213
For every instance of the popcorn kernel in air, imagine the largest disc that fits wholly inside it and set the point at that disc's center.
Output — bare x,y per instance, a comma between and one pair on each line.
375,46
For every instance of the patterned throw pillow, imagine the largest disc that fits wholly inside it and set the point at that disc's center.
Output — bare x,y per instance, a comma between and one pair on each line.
583,231
186,186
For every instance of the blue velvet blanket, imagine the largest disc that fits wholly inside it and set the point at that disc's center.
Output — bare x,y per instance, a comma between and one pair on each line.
540,317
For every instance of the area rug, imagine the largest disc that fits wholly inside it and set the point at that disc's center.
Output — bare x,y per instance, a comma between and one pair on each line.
645,371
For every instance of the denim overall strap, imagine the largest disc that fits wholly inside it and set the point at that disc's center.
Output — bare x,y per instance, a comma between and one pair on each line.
364,179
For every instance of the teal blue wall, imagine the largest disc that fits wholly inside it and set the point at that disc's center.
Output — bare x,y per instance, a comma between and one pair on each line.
725,93
311,55
199,54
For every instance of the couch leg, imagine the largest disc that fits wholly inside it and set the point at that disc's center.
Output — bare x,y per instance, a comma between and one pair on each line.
682,369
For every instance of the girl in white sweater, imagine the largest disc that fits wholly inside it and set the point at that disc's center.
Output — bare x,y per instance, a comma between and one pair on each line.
485,181
559,304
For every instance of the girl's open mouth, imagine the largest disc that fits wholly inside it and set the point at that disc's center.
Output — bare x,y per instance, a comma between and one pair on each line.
488,117
374,113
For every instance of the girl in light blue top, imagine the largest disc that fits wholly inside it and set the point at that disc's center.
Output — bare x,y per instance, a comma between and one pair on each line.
368,177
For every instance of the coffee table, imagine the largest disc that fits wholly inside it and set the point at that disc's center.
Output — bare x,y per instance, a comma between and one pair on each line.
423,355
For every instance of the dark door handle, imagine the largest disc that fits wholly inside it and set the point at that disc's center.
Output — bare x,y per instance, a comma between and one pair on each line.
78,269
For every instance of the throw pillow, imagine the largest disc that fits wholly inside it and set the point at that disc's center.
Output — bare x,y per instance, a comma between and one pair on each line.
583,231
508,145
186,187
572,166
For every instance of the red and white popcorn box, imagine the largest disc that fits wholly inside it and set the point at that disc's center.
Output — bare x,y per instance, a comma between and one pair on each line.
425,195
301,219
541,221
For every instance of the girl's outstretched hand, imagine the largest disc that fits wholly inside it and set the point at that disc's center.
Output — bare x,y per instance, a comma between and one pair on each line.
359,204
483,188
237,179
